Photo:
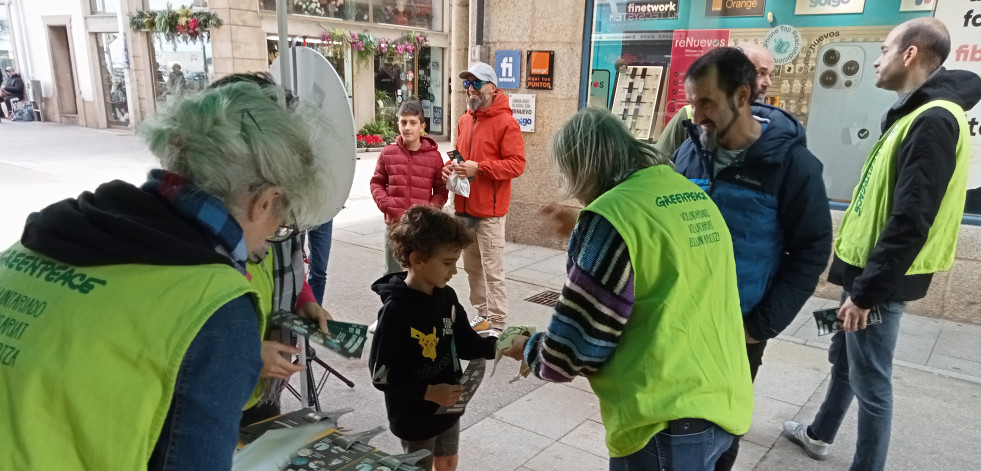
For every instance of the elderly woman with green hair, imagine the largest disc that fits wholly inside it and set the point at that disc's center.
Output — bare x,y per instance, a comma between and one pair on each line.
649,313
140,338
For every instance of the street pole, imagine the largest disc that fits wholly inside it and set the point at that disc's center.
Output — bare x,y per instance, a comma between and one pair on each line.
285,59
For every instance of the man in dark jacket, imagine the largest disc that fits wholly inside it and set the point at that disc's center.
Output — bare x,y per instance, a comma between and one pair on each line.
900,228
12,88
752,160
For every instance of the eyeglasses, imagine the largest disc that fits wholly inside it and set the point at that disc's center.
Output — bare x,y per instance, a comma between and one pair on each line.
476,84
285,231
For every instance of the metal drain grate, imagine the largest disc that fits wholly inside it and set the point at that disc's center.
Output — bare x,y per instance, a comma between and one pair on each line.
545,298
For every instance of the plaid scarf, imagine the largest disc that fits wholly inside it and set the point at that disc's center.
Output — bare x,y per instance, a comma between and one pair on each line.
193,203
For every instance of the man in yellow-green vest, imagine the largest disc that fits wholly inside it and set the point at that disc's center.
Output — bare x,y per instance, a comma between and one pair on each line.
900,229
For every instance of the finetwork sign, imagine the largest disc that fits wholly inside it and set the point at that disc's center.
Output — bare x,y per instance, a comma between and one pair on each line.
650,10
507,64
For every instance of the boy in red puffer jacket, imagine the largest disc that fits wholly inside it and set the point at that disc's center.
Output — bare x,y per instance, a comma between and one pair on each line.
408,173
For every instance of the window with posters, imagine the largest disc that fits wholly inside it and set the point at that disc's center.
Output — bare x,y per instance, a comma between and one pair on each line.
824,76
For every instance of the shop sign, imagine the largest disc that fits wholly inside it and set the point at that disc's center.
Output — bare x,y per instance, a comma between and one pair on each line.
784,42
829,7
917,5
686,47
735,7
507,64
523,108
649,10
963,20
541,70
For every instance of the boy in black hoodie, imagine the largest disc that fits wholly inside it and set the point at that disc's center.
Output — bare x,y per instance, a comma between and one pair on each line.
422,334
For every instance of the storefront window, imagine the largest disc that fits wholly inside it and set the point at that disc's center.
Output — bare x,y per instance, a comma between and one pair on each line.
425,14
430,89
104,6
112,67
412,76
6,46
824,74
164,4
339,57
351,10
180,68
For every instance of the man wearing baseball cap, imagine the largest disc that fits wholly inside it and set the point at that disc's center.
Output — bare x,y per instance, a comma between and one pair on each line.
489,139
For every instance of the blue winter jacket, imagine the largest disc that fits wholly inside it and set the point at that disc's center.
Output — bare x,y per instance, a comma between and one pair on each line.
775,204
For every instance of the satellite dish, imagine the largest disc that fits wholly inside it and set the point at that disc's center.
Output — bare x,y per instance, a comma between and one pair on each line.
318,84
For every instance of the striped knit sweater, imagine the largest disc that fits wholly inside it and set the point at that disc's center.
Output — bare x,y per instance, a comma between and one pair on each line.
594,305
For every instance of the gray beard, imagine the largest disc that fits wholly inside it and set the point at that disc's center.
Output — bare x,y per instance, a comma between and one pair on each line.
474,103
709,140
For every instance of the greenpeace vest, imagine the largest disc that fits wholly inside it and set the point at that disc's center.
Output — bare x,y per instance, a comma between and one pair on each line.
261,280
89,356
872,200
682,353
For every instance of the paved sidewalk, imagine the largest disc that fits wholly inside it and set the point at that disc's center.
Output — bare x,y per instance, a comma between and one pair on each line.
530,424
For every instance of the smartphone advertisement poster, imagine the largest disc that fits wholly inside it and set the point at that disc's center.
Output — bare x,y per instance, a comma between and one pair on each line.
963,20
686,46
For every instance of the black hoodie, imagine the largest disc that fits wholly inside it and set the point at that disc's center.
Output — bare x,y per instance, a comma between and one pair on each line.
119,223
926,161
419,341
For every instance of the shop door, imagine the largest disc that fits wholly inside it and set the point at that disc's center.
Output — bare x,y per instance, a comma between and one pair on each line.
64,74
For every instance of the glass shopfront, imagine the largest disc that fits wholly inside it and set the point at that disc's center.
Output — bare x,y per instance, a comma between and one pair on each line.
423,14
112,67
179,68
824,51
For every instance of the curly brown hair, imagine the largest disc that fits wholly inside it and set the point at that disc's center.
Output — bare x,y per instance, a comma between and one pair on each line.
424,229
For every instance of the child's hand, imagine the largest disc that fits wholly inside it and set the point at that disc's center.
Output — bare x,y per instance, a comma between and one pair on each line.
443,394
447,170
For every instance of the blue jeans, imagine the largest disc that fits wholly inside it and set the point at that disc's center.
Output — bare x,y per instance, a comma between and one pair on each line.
694,452
319,241
862,367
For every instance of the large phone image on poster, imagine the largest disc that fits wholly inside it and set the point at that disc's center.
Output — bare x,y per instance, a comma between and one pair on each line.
845,113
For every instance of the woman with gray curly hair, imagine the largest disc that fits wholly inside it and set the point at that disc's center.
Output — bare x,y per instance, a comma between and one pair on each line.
650,312
137,338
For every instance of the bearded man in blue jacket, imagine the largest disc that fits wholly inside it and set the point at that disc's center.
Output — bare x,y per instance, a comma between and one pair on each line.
752,160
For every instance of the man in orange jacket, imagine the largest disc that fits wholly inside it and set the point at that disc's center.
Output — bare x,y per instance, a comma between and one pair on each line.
489,139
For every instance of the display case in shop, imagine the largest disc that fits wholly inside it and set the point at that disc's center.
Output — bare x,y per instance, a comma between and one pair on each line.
635,98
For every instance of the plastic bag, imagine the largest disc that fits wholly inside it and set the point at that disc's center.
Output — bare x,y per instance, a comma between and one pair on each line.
458,185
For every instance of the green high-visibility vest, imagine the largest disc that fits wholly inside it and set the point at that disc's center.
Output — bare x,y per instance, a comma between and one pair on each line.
682,353
262,282
89,356
872,199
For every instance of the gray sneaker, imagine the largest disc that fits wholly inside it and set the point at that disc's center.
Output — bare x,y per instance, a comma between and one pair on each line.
797,433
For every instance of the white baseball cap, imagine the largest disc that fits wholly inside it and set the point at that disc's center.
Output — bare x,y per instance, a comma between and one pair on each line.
481,71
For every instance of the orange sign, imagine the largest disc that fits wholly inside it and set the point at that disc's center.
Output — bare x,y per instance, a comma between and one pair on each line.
541,69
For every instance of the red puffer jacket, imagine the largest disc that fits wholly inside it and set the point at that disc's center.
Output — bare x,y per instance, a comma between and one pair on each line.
492,138
404,178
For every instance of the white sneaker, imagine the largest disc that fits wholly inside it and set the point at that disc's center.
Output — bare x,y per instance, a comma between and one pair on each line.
797,433
371,328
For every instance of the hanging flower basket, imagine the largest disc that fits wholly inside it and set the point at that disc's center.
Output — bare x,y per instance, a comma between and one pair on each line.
182,24
398,49
365,47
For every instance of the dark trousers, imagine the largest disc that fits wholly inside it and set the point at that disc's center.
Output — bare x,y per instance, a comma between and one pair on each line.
755,353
